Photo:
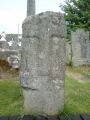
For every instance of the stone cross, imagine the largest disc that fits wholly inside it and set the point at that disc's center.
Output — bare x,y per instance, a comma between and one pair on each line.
30,7
43,59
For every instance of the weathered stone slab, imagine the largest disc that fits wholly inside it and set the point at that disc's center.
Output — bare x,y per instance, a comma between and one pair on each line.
11,56
4,45
15,46
80,48
14,61
43,59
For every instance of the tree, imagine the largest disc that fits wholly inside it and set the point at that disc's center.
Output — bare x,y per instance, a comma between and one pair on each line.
77,14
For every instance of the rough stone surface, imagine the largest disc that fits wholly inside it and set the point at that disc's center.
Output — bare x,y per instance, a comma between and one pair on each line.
11,56
14,61
4,45
15,46
80,48
30,7
4,54
68,53
43,58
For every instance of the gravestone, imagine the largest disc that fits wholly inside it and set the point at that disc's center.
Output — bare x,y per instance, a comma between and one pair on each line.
80,48
4,45
30,7
43,59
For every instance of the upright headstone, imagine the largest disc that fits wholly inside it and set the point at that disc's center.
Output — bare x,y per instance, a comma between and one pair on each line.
80,48
43,59
30,7
4,45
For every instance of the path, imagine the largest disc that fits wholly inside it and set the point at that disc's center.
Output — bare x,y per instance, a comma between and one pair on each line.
77,76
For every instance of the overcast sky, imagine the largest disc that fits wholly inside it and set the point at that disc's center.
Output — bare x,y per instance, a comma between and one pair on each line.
13,12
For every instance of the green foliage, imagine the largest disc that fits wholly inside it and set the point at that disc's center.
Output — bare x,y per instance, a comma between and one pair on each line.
12,35
71,63
77,14
68,35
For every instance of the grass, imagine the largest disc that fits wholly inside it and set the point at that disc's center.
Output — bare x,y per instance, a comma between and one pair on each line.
77,97
11,98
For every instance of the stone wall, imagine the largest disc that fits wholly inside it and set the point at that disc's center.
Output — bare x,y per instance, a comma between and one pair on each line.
11,56
4,54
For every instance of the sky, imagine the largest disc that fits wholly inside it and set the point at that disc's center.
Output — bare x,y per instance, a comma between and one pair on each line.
13,13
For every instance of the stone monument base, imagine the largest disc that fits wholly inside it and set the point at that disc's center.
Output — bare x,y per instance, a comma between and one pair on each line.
41,100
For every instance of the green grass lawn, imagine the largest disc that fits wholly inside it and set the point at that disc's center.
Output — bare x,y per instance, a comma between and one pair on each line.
77,98
11,98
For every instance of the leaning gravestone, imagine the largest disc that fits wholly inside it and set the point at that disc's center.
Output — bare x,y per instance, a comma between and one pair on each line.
43,58
80,48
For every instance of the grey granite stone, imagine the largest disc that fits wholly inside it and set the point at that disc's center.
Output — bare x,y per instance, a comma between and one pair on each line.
15,46
30,7
43,59
4,45
4,54
14,61
80,45
11,56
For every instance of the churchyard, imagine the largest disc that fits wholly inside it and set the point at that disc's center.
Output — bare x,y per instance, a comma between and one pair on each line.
77,91
46,75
